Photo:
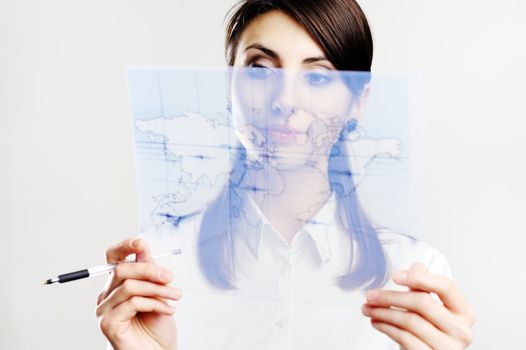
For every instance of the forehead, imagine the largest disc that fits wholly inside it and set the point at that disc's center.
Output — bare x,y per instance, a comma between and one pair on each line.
282,34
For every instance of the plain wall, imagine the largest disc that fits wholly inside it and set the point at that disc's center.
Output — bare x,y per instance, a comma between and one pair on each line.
67,187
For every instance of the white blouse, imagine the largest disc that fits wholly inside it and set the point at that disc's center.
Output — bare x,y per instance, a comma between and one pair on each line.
285,296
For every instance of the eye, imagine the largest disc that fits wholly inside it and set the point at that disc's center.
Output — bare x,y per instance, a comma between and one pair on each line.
317,78
259,71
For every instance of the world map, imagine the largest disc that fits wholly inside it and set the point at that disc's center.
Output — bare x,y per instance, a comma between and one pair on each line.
199,151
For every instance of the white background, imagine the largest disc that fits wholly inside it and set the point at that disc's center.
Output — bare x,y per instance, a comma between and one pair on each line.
67,186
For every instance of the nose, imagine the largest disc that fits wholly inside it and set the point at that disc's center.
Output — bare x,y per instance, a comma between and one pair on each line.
280,109
283,102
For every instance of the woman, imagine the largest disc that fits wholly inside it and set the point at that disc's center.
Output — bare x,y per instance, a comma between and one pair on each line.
258,268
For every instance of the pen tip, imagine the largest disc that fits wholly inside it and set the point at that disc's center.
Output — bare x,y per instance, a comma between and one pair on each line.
47,282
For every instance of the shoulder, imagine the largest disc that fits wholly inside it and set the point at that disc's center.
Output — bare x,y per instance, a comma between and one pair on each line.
403,251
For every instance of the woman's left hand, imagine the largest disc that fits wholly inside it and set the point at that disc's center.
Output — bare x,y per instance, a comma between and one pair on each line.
417,321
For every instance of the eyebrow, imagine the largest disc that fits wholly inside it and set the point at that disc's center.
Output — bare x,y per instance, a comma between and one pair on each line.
275,56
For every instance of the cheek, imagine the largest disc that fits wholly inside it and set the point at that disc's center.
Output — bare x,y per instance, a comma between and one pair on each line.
250,100
325,132
332,102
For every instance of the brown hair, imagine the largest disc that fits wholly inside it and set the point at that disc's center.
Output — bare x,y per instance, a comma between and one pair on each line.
338,26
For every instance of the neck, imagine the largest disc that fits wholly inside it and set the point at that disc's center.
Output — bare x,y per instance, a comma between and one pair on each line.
288,197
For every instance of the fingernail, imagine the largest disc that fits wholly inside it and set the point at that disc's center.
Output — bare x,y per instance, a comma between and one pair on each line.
400,276
166,275
366,309
372,295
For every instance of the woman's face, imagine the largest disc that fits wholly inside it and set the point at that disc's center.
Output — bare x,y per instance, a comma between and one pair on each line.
289,103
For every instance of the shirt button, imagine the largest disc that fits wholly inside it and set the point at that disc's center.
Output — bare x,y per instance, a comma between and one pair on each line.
280,324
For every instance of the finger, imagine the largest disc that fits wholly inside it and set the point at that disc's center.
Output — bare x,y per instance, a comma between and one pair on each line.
121,250
406,340
410,322
138,271
419,302
144,254
130,288
128,309
125,311
419,278
100,297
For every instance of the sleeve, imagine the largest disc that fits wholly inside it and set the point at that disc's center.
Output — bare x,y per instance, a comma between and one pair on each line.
438,264
403,251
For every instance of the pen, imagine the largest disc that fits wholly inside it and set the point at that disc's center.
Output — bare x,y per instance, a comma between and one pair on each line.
101,269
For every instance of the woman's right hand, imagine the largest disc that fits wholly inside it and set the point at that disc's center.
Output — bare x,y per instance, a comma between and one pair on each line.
132,309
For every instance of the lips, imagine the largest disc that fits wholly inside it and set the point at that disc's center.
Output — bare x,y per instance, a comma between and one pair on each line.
281,133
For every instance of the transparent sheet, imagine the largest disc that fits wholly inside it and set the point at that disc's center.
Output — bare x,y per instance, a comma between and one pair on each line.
289,193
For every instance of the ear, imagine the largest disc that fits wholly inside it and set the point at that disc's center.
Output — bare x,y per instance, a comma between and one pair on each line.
359,103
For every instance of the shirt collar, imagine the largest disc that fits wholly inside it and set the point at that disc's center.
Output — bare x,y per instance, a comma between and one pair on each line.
319,227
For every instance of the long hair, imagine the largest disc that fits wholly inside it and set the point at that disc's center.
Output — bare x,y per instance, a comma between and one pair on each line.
342,31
